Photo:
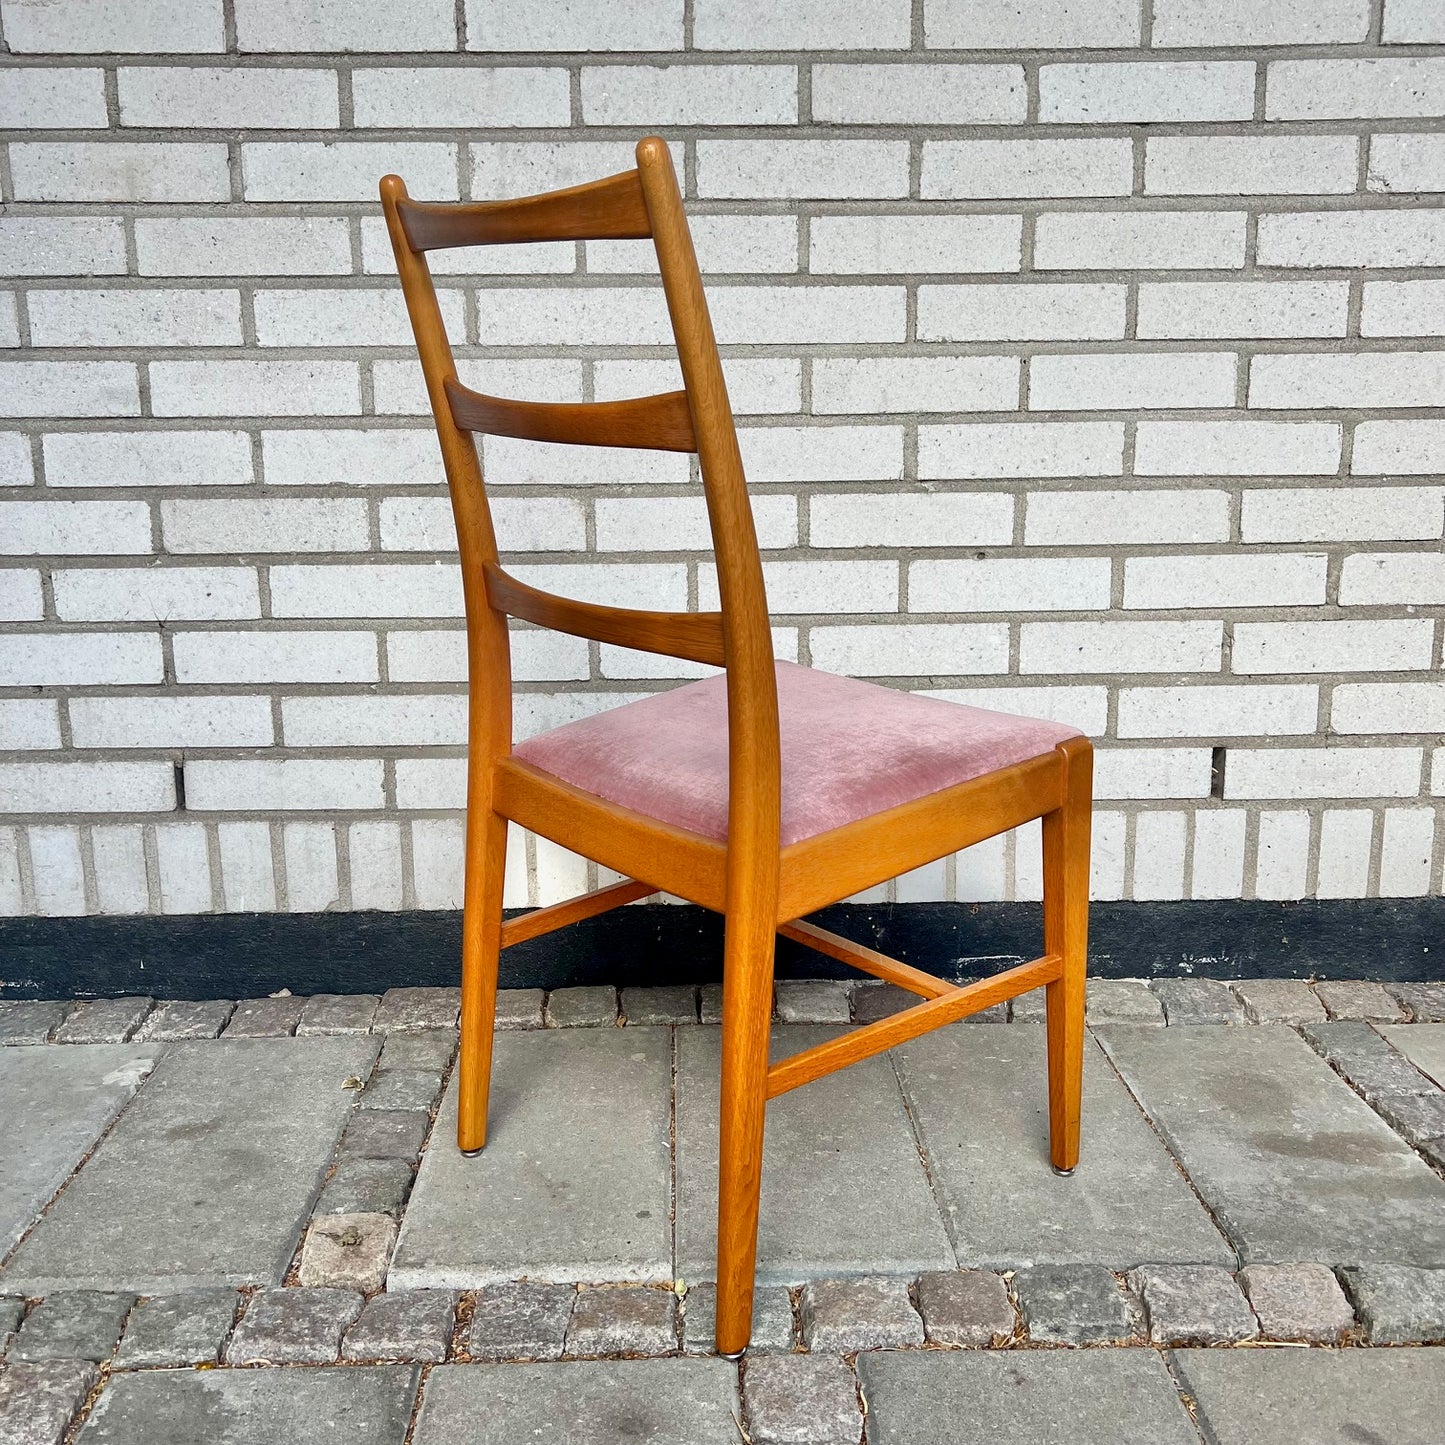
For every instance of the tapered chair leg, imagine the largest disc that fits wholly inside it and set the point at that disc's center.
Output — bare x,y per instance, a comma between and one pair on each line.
486,863
1066,934
747,1015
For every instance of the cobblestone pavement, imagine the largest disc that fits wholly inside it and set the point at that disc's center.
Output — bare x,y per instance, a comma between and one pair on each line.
246,1222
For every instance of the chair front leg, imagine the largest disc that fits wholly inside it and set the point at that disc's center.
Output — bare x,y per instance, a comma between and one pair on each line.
1066,934
486,864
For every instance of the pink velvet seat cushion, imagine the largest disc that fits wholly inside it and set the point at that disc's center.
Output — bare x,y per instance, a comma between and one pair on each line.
849,749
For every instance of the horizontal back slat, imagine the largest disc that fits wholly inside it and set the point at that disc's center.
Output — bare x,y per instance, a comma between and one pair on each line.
611,209
662,422
697,636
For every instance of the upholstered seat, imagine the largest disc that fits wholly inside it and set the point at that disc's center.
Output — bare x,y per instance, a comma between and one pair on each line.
849,749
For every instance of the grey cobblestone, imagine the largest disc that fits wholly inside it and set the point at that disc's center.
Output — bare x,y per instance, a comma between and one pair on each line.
1122,1000
1297,1302
519,1008
11,1309
812,1001
1398,1304
385,1134
623,1321
772,1319
1076,1304
337,1013
874,1001
348,1251
801,1400
103,1021
293,1327
413,1325
428,1052
411,1010
407,1089
1419,1117
520,1321
186,1328
264,1018
1028,1008
569,1008
1359,999
1197,1001
676,1004
843,1315
30,1021
72,1325
709,1003
968,1307
366,1186
38,1401
1278,1000
179,1018
1366,1060
1188,1304
1425,1001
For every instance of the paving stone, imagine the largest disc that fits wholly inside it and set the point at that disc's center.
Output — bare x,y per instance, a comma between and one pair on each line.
361,1405
56,1103
574,1181
183,1018
709,1003
812,1001
1197,1001
981,1107
519,1008
293,1327
38,1401
207,1178
1298,1302
801,1400
406,1089
337,1013
1122,1000
625,1321
1434,1151
1028,1008
186,1328
966,1307
570,1008
1365,1059
413,1325
1076,1304
366,1186
1278,1000
1293,1163
1316,1397
1358,999
264,1018
30,1021
676,1004
1396,1304
675,1401
11,1309
772,1320
1423,1045
843,1191
411,1010
1426,1001
520,1320
843,1315
1417,1116
73,1325
429,1052
348,1251
1022,1397
873,1001
385,1134
1193,1304
103,1021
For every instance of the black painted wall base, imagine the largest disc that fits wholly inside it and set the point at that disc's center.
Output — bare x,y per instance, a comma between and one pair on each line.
250,954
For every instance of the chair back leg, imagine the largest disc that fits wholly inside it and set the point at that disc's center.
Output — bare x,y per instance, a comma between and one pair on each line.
486,865
1066,935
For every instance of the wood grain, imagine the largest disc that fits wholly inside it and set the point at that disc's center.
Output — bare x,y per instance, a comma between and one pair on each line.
659,423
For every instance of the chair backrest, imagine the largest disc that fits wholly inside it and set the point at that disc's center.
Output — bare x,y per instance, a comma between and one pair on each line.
634,205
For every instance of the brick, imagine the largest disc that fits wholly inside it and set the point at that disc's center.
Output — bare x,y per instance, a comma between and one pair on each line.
1146,91
1111,647
58,874
1021,449
912,94
1343,870
1024,312
183,868
1294,579
62,246
128,27
264,388
608,25
268,525
135,318
909,519
834,453
1340,88
1139,240
119,869
1077,382
243,246
147,459
323,456
1374,646
1388,707
50,98
1077,518
829,25
283,784
1403,308
410,721
610,316
1342,772
170,722
946,383
1405,446
16,467
345,171
997,169
1009,584
77,529
1406,163
9,321
1052,24
828,169
1236,448
1338,514
83,659
801,1397
1299,1303
20,599
1238,22
653,95
1255,710
69,388
1251,165
1373,238
1367,379
1152,773
1230,309
342,318
227,98
273,25
145,594
1407,21
724,244
447,97
1407,852
275,656
1219,837
120,171
27,724
668,524
427,656
879,245
522,168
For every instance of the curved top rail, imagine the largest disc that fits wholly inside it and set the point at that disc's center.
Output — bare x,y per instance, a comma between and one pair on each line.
662,422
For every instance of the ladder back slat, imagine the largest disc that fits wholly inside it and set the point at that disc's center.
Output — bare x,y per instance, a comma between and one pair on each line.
611,209
697,636
661,423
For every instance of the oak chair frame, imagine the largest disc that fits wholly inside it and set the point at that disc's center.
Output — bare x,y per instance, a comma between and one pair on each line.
762,889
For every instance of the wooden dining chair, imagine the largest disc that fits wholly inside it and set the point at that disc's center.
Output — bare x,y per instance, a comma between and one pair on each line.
764,792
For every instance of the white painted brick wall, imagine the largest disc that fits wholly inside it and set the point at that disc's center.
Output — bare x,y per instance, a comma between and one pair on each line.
1088,355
